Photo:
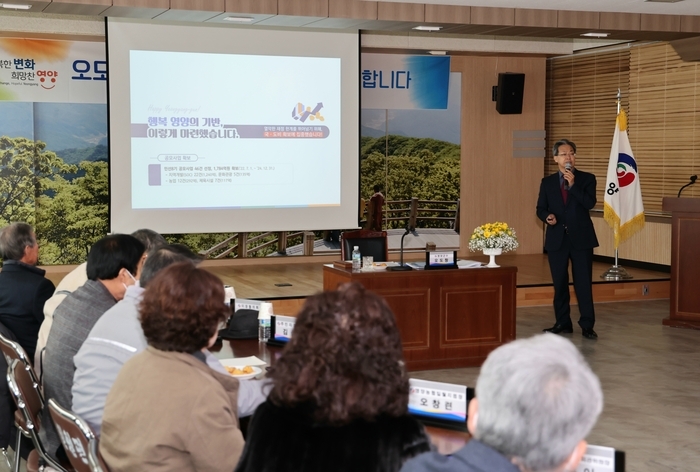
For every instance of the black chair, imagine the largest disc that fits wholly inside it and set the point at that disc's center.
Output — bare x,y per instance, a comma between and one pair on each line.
370,243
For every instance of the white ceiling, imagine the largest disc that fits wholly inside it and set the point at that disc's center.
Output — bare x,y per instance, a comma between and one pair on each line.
685,7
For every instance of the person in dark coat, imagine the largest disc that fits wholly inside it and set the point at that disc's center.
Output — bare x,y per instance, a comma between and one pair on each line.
23,287
564,203
339,398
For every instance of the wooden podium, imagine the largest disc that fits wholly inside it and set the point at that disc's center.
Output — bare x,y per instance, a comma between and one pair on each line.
447,318
685,262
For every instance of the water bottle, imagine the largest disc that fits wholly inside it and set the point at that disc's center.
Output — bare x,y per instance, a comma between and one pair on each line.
356,259
264,330
264,322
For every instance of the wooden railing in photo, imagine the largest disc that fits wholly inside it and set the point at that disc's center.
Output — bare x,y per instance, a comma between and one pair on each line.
242,245
415,212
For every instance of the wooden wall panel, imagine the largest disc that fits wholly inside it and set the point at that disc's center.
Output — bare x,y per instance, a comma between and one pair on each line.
258,7
661,22
198,5
355,9
494,185
142,3
303,7
447,14
690,24
538,18
493,16
578,19
620,21
652,244
391,11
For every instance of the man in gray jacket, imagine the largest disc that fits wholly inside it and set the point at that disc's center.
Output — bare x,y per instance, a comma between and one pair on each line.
536,401
113,264
117,337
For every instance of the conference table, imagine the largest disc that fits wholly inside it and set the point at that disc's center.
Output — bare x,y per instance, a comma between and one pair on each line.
447,318
445,440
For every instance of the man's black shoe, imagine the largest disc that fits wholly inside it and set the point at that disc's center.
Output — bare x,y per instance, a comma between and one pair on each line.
557,329
589,334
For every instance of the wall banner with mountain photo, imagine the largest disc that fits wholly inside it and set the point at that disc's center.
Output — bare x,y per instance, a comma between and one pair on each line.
53,143
412,152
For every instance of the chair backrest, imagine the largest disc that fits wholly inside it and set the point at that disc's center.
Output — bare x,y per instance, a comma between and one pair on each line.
97,464
29,402
371,243
75,435
12,350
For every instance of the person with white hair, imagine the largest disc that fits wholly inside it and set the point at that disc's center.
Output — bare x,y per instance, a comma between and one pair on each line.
536,401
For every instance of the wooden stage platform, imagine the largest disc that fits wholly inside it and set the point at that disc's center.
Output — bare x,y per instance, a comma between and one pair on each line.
287,284
288,280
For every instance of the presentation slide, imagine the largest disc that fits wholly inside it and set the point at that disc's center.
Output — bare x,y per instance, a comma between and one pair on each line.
257,131
232,129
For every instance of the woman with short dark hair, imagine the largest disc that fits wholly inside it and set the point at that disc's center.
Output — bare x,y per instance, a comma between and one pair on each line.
168,410
339,399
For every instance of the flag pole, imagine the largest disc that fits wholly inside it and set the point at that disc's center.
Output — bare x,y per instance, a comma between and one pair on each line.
616,272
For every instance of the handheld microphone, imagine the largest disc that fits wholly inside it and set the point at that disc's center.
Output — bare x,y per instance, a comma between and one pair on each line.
693,178
567,166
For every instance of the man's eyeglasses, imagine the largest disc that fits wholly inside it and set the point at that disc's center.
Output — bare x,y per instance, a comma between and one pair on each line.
570,154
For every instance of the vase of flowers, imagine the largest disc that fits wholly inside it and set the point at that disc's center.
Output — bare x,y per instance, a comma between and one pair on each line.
493,239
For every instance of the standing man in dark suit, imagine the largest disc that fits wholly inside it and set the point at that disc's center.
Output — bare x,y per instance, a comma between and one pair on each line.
565,199
23,287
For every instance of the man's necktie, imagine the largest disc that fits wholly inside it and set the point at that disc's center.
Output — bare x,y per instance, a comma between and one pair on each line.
564,191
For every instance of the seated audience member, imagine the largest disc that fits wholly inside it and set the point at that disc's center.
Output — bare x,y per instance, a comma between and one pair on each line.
168,410
339,397
23,287
113,265
117,337
76,278
536,400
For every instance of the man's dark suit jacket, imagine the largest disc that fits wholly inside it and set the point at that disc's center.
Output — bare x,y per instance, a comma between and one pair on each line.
23,292
574,217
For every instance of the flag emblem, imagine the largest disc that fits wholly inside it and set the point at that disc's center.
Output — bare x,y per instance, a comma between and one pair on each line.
623,207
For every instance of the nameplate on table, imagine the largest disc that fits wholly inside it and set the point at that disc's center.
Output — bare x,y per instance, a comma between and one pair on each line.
602,459
440,260
283,327
281,330
246,304
439,403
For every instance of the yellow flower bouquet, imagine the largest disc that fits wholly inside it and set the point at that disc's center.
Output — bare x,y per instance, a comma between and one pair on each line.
493,236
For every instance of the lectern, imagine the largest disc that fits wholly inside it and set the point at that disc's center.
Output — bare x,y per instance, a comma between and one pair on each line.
685,262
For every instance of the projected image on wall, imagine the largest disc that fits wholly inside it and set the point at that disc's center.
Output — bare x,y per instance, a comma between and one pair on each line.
234,131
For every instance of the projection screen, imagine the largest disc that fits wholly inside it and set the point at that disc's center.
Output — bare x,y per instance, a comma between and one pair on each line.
228,129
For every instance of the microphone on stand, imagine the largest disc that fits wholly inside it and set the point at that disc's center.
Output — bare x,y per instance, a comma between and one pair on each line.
567,166
401,266
693,178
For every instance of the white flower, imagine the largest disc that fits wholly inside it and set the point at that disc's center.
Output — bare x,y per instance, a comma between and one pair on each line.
493,235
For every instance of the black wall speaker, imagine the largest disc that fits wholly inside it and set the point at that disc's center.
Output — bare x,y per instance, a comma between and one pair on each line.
509,94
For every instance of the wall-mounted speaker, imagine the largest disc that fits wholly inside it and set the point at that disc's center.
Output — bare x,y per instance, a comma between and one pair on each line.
509,93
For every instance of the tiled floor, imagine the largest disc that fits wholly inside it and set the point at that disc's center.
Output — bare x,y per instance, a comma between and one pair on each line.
650,376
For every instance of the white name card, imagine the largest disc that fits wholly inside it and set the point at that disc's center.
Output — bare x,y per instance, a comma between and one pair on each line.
284,325
437,400
245,304
597,459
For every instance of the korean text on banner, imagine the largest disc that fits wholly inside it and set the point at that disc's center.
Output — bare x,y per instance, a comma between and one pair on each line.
624,210
400,82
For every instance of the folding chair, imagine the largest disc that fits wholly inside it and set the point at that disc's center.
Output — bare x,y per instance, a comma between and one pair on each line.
75,435
29,404
12,350
95,459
